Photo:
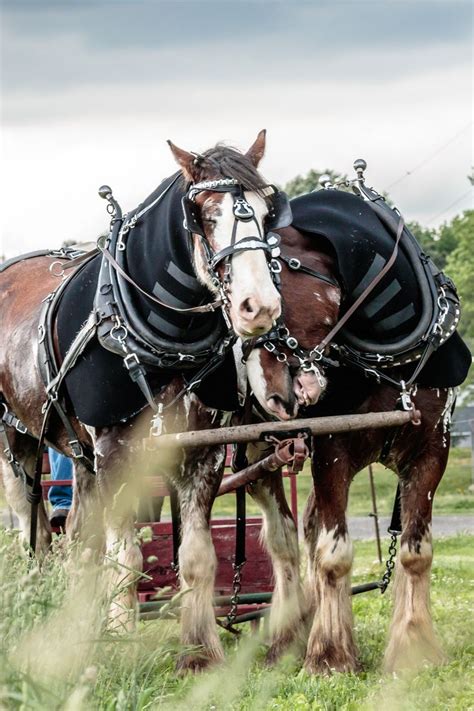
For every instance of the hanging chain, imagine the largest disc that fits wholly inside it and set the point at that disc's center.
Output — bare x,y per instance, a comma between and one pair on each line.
236,588
390,563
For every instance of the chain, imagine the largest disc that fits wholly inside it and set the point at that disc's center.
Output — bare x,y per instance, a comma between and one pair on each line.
236,588
390,563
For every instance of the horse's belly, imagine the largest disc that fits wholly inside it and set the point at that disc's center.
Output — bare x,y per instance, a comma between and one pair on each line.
23,286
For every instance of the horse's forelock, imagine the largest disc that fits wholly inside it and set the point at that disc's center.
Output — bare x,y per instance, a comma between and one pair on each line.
233,164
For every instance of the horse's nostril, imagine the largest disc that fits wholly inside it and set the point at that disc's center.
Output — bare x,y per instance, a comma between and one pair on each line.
283,403
248,307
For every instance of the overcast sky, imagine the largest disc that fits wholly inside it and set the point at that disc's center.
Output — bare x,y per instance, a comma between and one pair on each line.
91,90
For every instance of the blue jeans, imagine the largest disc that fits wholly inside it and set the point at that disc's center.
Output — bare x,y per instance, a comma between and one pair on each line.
60,497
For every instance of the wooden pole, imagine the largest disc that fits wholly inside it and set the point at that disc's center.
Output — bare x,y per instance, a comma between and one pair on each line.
252,433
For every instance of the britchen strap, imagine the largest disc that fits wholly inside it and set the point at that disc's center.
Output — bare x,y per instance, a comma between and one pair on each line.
35,494
18,469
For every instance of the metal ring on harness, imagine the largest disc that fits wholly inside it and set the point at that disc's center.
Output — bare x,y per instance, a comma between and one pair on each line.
56,274
117,328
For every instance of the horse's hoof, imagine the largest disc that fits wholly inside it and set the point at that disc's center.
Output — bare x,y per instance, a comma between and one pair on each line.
279,647
196,663
408,661
326,667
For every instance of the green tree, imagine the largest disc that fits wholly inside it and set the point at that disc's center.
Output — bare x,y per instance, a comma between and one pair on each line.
307,183
460,267
437,243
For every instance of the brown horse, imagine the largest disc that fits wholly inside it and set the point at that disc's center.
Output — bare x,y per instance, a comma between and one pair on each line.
417,455
252,304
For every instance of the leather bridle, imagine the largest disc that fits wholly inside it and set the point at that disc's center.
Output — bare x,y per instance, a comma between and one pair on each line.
306,359
267,241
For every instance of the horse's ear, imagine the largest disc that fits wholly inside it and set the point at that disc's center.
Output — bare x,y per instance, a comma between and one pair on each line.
186,160
257,149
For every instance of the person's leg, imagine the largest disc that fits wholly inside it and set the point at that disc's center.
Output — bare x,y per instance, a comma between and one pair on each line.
60,497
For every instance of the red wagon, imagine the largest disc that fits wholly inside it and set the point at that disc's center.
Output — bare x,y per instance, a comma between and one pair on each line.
158,556
241,593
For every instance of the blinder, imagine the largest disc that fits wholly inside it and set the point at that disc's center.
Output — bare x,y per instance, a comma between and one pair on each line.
280,214
192,216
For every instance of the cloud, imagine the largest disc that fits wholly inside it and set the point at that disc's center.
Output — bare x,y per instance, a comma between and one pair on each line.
91,90
56,46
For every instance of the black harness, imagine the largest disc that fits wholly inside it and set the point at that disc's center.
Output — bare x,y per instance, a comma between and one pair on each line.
122,332
440,309
114,320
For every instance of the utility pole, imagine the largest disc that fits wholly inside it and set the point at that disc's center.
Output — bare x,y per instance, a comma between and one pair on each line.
471,425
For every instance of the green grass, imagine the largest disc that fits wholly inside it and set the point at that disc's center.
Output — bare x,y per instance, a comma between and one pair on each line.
56,654
453,494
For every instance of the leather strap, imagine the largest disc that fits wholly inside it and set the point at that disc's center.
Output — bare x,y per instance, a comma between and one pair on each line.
205,308
18,469
35,494
396,520
246,244
341,323
81,258
240,522
294,264
175,525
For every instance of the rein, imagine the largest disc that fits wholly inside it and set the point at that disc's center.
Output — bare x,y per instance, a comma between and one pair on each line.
205,308
317,353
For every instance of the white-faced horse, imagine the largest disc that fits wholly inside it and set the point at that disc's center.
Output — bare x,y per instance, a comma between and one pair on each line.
176,279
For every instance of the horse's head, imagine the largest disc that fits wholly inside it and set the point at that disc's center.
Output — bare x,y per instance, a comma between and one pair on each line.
229,208
281,368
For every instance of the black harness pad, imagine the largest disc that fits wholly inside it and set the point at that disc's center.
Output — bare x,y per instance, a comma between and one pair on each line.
99,388
447,367
362,246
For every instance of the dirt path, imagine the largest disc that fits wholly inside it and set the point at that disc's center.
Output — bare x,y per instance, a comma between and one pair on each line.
362,527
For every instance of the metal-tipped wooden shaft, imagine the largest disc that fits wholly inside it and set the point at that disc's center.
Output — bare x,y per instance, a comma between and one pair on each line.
252,433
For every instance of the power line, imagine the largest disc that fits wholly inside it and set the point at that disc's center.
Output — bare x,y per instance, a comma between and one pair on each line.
432,219
428,158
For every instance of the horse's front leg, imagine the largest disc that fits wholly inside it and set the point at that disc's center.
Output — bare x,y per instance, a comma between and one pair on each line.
412,640
84,521
117,479
281,540
197,483
331,645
